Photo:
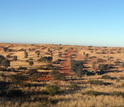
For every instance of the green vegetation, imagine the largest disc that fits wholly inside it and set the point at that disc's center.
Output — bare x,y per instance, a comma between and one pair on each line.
92,93
116,93
95,82
52,89
46,59
57,75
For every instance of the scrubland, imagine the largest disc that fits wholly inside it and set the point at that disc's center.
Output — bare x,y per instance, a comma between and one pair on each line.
48,75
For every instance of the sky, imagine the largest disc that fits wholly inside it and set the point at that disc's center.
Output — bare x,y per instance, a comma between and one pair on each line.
75,22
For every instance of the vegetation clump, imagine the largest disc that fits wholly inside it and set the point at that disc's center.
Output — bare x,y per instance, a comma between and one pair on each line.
92,93
96,82
52,89
106,77
117,93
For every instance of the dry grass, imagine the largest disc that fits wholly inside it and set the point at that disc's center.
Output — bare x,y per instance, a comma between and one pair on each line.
73,98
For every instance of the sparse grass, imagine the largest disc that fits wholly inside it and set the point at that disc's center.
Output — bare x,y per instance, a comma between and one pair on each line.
36,95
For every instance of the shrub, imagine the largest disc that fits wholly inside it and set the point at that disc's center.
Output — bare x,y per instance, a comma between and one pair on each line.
27,84
105,66
122,77
22,68
49,67
100,60
25,54
52,89
106,77
2,69
5,63
77,67
32,71
15,58
91,92
1,58
14,93
57,75
96,82
122,84
5,49
31,63
117,62
116,93
74,86
12,69
18,79
46,59
122,65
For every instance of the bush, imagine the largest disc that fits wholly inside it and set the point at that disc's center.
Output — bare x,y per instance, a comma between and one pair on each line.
2,69
122,65
77,67
12,69
25,54
1,58
116,93
105,66
14,93
46,59
52,89
5,63
22,68
96,82
31,63
122,77
122,84
74,86
15,58
57,75
106,77
91,92
32,71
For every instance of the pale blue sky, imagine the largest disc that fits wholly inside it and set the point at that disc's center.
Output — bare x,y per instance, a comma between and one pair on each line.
78,22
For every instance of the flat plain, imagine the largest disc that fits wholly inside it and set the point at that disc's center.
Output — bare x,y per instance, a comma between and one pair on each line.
80,76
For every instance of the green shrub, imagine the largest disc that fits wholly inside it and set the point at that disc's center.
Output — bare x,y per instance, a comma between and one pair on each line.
96,82
52,89
91,92
116,93
106,77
